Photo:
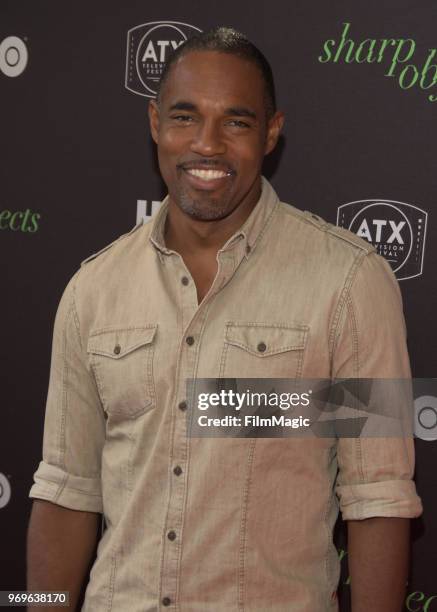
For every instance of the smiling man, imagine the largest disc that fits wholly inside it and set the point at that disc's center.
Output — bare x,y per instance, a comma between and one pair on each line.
225,281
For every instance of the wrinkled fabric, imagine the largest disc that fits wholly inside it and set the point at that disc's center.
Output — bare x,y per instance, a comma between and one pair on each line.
250,520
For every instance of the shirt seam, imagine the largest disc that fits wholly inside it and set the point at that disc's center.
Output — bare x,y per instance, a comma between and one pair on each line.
345,293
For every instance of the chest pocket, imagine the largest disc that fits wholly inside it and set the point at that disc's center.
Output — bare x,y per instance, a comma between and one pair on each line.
122,362
263,350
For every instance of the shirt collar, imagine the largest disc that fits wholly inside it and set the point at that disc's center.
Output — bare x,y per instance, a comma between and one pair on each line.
248,234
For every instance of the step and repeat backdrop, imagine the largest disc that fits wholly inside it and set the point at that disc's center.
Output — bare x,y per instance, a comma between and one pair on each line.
358,84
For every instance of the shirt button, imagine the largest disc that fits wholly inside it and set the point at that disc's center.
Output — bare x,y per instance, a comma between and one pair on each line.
261,347
166,601
248,249
171,535
185,280
117,349
182,406
177,470
189,340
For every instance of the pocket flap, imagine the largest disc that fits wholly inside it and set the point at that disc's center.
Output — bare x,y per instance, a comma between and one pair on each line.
118,342
263,339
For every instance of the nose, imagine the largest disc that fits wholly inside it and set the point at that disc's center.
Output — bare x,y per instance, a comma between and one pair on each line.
208,140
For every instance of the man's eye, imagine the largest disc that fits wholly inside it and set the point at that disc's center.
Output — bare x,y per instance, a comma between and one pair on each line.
182,118
238,123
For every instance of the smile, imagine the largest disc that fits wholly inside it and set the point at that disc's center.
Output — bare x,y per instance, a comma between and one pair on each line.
207,175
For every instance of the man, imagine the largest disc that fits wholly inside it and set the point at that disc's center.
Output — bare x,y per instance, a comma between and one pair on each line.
224,282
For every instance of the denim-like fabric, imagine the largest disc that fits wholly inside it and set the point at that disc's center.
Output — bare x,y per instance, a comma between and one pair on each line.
252,518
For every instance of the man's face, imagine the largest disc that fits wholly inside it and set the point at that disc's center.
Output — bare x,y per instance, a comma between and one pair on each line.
212,133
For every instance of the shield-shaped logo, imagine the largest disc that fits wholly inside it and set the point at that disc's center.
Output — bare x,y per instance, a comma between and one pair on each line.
397,230
148,48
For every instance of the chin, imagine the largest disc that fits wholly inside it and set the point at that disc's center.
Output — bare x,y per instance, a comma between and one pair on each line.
203,211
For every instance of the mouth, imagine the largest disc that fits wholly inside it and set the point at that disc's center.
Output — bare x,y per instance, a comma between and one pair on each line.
207,175
206,178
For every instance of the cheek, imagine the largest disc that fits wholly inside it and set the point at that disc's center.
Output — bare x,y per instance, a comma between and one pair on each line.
174,142
251,158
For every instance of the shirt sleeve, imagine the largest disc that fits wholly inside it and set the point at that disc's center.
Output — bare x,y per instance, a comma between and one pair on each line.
375,473
74,428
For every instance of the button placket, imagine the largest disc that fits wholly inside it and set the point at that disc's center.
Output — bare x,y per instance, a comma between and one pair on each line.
193,316
172,541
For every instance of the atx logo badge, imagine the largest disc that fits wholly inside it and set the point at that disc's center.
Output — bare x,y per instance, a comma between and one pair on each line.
148,48
397,231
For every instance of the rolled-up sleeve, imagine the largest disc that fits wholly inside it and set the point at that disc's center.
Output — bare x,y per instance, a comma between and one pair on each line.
74,428
375,473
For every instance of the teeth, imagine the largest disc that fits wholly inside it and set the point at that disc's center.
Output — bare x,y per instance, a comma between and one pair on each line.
207,175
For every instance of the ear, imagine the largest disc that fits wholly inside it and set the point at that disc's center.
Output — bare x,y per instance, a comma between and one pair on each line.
274,128
154,119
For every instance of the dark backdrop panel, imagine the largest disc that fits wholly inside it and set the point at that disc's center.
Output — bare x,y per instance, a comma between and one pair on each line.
77,157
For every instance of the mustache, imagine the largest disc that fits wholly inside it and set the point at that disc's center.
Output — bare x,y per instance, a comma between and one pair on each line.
206,163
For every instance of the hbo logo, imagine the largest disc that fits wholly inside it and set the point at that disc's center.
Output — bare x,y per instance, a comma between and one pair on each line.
425,417
13,56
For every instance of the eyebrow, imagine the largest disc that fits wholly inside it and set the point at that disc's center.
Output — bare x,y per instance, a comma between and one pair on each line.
235,111
183,106
240,111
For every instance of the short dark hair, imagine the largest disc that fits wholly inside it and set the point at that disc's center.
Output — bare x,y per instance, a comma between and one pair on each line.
226,40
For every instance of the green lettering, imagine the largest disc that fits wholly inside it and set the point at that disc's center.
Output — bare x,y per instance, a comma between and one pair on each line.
369,57
34,220
11,222
396,59
426,68
26,218
343,43
413,79
4,215
327,50
428,601
412,598
384,43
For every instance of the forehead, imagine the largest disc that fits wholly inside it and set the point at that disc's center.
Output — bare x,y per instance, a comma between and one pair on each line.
214,77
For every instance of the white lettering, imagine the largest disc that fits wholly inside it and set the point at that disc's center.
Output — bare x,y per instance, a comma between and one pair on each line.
150,53
162,44
364,232
379,225
396,235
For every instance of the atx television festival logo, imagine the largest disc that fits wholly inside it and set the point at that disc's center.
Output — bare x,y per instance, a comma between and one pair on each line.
396,53
5,491
397,231
148,48
13,56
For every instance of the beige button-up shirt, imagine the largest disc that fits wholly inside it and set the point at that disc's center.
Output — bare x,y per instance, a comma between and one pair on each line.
220,524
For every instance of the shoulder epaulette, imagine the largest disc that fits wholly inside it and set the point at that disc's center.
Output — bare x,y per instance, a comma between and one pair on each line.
339,232
111,244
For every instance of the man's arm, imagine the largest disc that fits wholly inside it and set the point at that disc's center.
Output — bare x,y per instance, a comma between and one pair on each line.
374,485
60,548
378,563
66,514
